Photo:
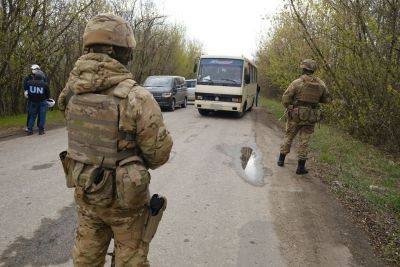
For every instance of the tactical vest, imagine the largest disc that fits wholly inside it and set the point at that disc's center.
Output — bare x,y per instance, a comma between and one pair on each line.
310,91
93,129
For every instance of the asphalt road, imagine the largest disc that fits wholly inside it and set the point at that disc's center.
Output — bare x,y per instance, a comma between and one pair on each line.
228,202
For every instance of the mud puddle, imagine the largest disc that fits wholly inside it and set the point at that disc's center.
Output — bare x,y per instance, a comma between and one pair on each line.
253,171
247,162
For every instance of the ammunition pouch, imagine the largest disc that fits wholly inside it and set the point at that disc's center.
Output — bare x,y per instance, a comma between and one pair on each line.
132,183
157,206
293,114
127,185
101,192
305,115
315,115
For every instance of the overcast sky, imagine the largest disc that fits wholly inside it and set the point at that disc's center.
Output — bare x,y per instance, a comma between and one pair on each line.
224,27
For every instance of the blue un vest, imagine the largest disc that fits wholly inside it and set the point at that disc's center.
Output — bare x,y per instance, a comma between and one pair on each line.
37,90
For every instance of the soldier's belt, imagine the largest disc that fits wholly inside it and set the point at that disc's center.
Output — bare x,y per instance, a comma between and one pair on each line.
306,104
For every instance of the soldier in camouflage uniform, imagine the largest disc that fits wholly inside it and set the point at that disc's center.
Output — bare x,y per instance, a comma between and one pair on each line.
301,99
115,134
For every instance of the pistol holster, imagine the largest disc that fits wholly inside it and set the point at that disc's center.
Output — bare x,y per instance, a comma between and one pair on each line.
157,206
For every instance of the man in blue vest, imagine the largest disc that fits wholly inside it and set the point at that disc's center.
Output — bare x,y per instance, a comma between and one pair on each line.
37,91
34,68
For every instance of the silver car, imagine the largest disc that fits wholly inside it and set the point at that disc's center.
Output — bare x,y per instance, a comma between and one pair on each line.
191,87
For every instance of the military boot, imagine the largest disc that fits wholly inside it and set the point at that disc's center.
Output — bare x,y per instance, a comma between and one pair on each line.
301,167
281,160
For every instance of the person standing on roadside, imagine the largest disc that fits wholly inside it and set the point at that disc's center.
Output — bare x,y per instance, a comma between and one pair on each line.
258,94
116,133
301,100
38,93
34,68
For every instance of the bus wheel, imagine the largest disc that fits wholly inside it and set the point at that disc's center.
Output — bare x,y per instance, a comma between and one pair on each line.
203,112
252,104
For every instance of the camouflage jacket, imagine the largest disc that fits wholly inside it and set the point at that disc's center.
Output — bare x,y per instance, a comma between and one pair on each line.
307,88
139,112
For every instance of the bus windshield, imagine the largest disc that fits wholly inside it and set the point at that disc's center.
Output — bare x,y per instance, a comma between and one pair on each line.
225,72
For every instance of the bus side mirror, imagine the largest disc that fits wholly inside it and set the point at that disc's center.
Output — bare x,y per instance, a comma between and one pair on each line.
195,68
247,78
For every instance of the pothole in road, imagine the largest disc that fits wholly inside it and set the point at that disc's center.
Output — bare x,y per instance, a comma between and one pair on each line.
247,161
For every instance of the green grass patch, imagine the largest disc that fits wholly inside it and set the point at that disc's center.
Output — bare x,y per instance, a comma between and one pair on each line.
361,167
362,170
52,117
273,106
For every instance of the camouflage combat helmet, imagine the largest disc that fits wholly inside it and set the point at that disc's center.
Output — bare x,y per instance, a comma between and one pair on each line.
108,29
309,64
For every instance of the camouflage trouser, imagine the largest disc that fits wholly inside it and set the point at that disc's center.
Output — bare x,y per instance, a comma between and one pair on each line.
304,131
96,227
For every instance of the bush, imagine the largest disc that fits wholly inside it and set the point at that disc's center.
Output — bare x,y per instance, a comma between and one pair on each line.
358,48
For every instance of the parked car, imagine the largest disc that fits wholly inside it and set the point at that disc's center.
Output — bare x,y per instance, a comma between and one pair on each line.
191,87
168,91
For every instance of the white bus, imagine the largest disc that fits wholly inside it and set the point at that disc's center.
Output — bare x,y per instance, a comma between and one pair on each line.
225,83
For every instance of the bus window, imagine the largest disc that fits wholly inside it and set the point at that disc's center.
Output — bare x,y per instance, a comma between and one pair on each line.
225,72
247,78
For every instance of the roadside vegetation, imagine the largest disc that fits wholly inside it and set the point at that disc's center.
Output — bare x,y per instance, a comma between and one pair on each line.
357,45
49,33
52,117
364,178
